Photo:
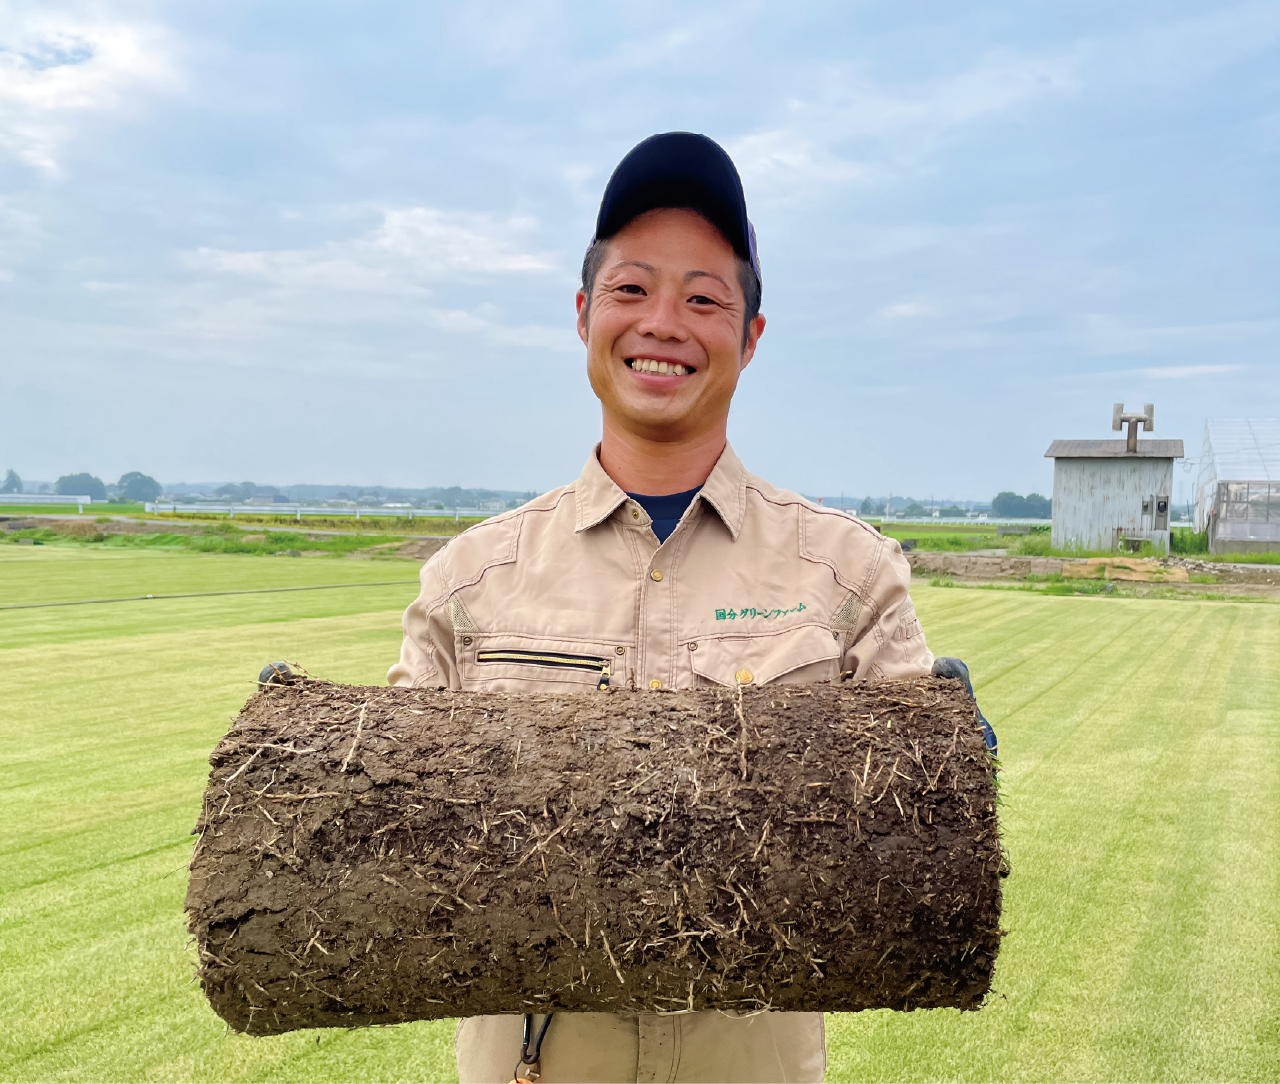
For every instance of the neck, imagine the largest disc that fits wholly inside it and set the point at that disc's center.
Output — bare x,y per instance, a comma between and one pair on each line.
656,468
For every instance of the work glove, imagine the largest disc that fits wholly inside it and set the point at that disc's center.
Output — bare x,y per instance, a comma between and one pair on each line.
948,667
278,673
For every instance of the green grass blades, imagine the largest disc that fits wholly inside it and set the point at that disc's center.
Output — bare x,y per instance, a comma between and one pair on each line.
57,574
103,756
1140,744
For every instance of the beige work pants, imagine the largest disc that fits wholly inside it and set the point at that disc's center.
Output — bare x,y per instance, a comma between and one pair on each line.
765,1048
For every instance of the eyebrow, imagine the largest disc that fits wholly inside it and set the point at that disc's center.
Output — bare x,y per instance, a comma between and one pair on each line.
688,277
691,275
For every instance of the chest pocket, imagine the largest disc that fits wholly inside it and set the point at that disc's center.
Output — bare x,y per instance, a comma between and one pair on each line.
498,663
806,654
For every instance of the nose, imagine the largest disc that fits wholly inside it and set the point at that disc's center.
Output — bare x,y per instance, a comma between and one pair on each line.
662,318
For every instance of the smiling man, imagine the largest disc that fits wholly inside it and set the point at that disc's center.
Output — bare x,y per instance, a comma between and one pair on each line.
665,565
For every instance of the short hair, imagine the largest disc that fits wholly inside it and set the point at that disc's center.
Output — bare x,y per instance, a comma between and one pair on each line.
747,282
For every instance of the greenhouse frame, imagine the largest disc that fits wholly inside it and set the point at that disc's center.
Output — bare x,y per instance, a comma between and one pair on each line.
1238,491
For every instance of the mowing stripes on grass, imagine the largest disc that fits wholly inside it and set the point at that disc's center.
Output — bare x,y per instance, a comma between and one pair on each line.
1141,746
1141,750
54,574
209,594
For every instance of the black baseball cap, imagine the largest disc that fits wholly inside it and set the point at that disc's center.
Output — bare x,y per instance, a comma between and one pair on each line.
680,169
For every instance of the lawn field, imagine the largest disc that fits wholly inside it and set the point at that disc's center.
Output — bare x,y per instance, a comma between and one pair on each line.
1140,789
72,509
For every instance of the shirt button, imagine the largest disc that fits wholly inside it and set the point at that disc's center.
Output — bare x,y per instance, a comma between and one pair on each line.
655,684
620,650
656,575
635,514
466,640
744,676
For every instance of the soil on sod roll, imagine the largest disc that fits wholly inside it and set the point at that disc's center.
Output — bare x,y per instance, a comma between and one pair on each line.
376,855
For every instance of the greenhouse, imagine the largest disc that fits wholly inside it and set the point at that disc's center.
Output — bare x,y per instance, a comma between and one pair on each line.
1238,492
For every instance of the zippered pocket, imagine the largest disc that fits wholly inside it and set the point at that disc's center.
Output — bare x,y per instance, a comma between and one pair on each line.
559,660
545,658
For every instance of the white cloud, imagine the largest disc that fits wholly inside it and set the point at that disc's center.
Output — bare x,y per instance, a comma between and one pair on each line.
1108,335
1185,372
399,276
1216,37
1156,372
848,128
905,310
57,66
412,246
18,232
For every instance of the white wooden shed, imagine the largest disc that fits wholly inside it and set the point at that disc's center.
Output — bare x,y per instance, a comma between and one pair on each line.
1113,494
1238,491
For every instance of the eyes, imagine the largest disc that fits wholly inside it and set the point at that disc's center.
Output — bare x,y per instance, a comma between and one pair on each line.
633,289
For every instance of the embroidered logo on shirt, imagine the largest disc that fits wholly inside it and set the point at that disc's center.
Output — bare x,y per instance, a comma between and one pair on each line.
768,614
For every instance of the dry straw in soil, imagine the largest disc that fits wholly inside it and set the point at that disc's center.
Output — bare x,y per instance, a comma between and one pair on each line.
375,855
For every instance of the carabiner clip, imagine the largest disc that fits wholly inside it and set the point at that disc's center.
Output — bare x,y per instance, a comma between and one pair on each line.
531,1056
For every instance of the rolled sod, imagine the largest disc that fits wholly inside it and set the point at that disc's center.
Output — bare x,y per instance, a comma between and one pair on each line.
376,855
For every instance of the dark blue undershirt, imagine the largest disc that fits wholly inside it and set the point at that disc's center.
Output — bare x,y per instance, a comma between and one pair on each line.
665,511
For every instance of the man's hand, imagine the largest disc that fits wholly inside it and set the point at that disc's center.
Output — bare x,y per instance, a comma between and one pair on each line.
278,673
948,667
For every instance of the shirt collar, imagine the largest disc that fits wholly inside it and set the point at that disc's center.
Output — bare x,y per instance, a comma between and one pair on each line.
598,496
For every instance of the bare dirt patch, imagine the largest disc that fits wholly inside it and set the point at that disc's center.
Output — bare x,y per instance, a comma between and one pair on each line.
1224,572
1124,568
421,549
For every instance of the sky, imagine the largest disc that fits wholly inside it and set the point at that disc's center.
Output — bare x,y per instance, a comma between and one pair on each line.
339,242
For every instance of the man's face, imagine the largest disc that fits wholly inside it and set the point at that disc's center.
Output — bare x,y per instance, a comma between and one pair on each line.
667,298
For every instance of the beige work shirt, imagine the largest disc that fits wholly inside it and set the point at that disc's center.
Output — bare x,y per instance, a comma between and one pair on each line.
755,585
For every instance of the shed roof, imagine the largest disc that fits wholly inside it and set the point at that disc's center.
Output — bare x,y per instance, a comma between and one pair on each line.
1114,449
1244,449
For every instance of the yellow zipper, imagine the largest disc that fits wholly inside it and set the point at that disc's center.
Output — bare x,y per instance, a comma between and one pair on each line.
557,659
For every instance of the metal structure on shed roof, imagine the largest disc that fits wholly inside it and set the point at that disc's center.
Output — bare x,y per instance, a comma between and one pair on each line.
1238,491
1113,494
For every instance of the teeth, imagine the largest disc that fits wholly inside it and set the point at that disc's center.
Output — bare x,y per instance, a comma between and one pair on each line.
648,365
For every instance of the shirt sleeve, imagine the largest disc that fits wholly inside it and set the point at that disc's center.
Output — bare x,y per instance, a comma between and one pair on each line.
887,641
426,652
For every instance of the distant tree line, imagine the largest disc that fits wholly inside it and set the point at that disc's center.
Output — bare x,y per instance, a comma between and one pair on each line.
1008,505
437,497
870,507
242,492
132,487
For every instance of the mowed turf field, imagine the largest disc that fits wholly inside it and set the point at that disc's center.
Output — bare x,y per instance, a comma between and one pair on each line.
1141,790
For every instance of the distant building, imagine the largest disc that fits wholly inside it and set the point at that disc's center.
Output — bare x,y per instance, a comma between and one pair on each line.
1238,491
1113,494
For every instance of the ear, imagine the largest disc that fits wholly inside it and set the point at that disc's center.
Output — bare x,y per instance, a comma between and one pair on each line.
580,301
754,330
